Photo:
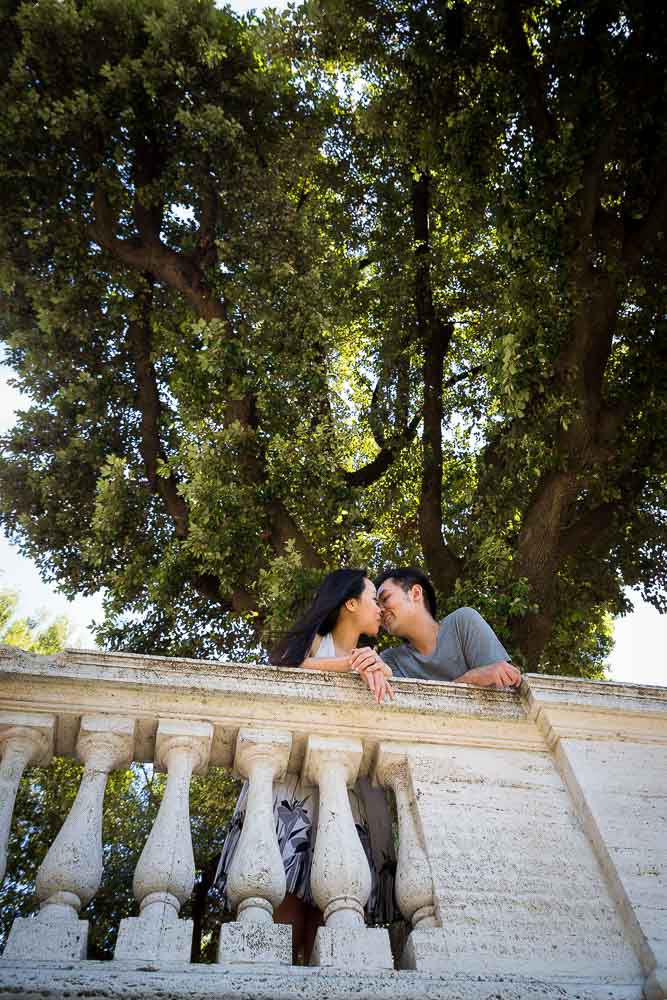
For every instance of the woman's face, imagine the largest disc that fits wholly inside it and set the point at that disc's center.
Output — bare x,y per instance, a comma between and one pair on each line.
365,610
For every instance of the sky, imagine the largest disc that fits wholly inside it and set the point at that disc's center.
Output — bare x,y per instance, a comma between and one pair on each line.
639,655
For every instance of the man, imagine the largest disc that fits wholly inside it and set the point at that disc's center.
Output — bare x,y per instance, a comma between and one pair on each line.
462,647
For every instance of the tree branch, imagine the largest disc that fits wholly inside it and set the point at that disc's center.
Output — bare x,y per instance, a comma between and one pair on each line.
150,408
205,254
149,254
539,115
435,338
375,469
590,526
284,528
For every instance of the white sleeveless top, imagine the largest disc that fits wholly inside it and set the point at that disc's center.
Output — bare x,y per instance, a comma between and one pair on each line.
324,649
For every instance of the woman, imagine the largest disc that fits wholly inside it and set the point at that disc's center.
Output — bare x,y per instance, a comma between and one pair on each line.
327,638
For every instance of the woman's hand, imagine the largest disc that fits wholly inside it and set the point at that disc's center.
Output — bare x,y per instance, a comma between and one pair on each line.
374,671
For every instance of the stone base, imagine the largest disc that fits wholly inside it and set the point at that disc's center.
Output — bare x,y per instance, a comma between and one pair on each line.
157,935
242,943
47,938
365,949
426,951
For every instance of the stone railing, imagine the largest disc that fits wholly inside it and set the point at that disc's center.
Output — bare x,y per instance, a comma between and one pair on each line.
532,840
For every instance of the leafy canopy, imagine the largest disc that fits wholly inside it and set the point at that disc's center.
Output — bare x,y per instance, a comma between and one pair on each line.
360,283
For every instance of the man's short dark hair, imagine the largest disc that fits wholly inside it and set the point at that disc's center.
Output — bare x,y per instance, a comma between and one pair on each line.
406,577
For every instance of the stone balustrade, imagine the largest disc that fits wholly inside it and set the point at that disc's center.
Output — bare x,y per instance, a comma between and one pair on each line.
532,831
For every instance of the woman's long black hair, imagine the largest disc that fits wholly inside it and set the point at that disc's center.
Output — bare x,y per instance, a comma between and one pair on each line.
321,616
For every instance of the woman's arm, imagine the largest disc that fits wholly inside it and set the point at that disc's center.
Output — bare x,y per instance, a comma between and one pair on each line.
339,664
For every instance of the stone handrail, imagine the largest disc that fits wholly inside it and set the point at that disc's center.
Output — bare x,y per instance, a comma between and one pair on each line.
532,833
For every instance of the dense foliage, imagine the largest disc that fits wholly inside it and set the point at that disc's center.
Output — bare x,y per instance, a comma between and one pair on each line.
38,634
361,283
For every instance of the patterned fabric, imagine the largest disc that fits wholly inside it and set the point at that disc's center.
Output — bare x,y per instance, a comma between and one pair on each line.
295,809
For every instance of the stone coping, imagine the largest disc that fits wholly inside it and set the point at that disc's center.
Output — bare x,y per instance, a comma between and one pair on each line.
231,696
151,981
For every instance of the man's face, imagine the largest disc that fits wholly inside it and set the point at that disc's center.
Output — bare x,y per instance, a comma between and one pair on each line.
396,605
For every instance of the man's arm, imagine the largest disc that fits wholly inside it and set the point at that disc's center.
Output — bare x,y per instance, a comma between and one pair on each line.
499,675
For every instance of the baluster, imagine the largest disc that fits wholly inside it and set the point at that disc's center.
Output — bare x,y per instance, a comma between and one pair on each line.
340,875
256,879
414,882
71,872
24,739
165,873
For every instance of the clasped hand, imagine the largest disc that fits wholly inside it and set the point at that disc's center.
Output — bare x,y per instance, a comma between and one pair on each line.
368,664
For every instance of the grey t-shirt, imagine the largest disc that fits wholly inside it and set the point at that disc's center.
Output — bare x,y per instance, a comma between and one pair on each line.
464,641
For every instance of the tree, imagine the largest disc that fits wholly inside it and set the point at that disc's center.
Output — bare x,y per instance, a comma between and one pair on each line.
372,282
35,635
534,135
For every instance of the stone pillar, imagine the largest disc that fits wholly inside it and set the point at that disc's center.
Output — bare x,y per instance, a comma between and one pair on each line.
609,743
165,873
71,872
256,879
340,876
414,883
24,739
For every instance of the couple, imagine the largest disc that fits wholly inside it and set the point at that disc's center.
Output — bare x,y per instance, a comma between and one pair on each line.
461,647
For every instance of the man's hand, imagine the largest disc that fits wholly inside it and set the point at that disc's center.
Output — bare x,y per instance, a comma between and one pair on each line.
497,675
374,671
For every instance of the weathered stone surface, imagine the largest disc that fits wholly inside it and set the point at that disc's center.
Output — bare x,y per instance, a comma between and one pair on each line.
165,873
414,880
517,885
98,981
536,820
256,876
364,948
157,934
340,876
25,738
247,942
233,696
610,745
71,872
48,936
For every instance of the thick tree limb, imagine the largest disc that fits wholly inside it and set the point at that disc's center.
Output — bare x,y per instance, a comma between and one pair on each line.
435,338
375,469
592,214
180,272
538,542
150,408
149,254
284,528
590,528
205,254
389,451
530,75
